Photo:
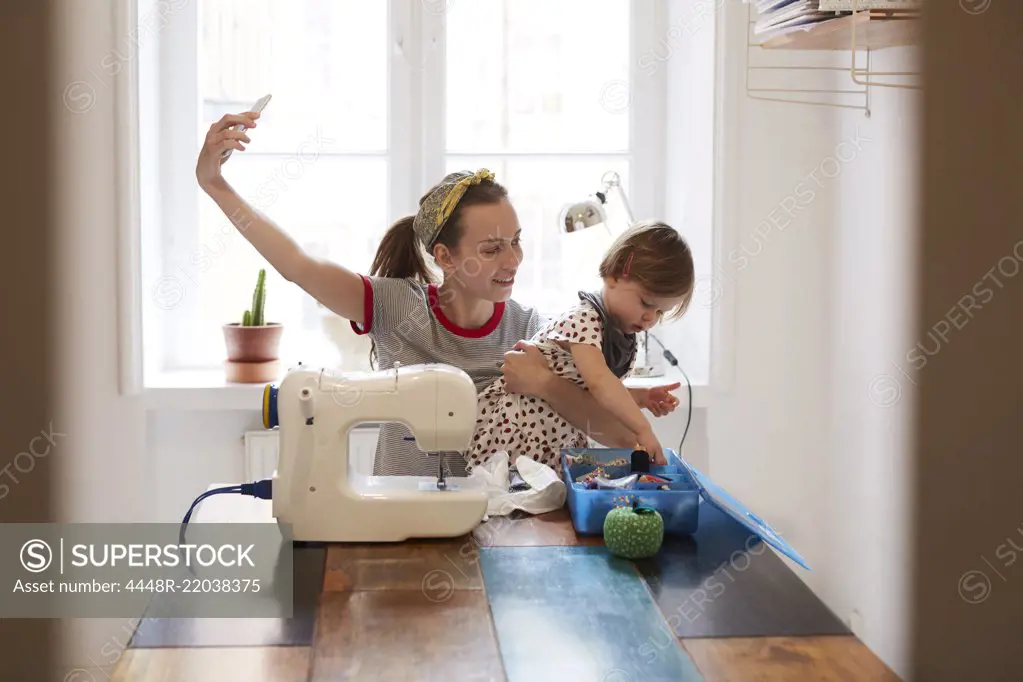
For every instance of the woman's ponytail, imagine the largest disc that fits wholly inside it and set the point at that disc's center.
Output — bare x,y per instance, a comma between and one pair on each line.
399,254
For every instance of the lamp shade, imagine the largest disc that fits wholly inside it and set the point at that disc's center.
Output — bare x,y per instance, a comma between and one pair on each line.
582,214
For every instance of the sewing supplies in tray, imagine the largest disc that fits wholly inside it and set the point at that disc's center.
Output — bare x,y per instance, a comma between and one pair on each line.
590,460
600,478
598,482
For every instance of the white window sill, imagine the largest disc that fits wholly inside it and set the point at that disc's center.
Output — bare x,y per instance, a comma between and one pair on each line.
207,390
201,390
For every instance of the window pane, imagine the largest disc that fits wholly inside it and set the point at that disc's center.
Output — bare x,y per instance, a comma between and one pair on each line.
324,62
333,206
528,75
555,266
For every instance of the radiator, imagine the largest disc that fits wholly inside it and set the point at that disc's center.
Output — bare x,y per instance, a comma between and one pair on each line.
261,452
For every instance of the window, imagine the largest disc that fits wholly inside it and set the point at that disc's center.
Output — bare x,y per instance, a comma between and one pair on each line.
523,98
367,114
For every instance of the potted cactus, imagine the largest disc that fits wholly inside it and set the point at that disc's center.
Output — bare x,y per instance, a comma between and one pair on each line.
252,343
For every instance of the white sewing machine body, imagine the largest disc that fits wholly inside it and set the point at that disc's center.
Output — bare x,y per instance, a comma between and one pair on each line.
316,491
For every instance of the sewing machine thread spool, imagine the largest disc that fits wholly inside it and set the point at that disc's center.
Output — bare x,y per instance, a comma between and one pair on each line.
305,398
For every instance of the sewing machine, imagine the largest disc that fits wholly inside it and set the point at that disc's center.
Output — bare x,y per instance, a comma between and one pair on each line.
315,489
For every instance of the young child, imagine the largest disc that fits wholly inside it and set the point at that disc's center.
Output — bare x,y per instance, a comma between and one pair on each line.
648,274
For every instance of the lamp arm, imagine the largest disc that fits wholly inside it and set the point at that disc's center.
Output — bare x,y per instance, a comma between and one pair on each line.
620,193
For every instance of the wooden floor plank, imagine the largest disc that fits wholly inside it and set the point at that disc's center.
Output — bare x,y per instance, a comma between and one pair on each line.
519,530
377,635
255,632
578,613
411,565
211,664
408,566
840,658
722,581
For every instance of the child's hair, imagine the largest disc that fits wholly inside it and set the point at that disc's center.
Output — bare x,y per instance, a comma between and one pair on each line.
657,257
401,253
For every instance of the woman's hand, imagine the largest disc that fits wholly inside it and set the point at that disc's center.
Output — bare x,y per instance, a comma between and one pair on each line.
648,443
526,371
658,399
219,139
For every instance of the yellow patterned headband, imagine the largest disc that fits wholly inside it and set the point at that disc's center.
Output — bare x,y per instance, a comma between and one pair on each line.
441,203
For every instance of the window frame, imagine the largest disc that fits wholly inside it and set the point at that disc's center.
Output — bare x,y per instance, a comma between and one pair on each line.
416,150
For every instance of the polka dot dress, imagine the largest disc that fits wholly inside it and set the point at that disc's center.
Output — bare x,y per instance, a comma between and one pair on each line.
526,425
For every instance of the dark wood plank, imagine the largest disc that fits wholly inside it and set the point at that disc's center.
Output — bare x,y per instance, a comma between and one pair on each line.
225,632
252,664
578,613
786,659
379,635
524,530
256,632
417,563
724,582
408,566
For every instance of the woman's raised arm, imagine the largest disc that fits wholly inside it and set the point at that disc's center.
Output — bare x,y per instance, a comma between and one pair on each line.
336,287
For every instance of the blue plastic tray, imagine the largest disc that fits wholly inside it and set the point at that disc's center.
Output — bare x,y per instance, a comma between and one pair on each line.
679,507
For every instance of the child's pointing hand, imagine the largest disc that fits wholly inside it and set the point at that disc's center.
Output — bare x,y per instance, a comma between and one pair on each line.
660,401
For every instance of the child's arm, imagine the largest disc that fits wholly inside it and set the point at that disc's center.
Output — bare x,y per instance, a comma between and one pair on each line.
583,411
526,372
612,394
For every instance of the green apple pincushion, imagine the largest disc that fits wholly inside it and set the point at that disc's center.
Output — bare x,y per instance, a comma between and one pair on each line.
633,532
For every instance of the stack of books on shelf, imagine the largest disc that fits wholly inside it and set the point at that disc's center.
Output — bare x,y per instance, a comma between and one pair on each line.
780,17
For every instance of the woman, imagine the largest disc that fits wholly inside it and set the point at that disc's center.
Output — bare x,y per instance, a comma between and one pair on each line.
468,320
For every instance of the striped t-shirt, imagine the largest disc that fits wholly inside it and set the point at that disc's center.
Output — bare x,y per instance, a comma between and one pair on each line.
403,318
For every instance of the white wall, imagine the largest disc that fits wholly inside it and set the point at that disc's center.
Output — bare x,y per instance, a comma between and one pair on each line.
820,285
101,463
192,449
871,401
768,434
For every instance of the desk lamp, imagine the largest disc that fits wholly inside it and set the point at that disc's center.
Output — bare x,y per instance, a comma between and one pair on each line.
590,212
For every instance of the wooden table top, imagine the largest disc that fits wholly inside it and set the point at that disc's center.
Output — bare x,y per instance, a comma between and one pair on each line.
419,610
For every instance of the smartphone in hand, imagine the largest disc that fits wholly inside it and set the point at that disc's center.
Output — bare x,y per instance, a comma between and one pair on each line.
257,107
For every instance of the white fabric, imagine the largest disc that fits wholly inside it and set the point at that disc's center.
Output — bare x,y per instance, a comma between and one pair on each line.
546,491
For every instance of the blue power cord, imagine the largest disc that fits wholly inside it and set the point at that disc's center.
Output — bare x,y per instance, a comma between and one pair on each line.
262,489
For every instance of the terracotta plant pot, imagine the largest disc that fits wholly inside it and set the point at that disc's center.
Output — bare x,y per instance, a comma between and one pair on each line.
252,352
252,344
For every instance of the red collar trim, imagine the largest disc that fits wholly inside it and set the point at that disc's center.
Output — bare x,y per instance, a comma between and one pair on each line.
490,325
